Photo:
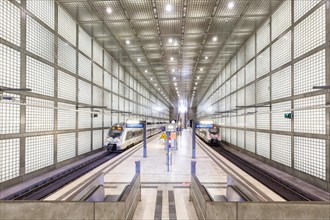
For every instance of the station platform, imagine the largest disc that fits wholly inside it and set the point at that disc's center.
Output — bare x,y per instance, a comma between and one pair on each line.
165,194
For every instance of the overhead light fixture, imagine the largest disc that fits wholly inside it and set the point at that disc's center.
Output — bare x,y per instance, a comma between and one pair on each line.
231,5
170,40
215,39
146,71
151,79
158,88
197,77
128,42
201,69
172,58
138,59
176,88
174,78
161,92
173,70
206,57
175,43
168,7
196,84
194,87
109,10
175,84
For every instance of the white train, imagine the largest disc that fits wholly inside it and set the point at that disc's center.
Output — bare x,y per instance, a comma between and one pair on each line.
210,135
120,138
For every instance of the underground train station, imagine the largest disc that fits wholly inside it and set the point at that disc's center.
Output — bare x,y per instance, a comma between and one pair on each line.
165,109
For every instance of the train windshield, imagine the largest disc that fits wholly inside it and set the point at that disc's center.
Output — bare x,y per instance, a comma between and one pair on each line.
115,131
214,130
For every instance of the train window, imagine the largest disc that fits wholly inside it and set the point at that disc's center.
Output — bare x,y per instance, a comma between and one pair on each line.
129,135
115,131
214,130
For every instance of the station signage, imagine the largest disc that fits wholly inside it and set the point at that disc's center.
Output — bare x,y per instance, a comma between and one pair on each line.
134,124
204,126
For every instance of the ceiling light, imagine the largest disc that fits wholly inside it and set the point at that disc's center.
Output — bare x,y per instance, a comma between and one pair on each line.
197,77
168,7
215,39
175,84
109,10
170,40
151,79
128,42
138,59
196,84
161,92
175,43
176,88
146,71
172,58
155,84
201,69
173,70
174,78
206,57
158,88
231,5
194,87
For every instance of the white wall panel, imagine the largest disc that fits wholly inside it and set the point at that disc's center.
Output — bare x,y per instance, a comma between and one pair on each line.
281,51
250,72
85,67
280,123
39,152
250,48
66,86
97,53
309,72
9,158
281,19
281,84
44,10
240,139
313,120
39,40
302,7
66,26
281,149
9,21
84,92
66,116
66,56
85,42
66,146
84,119
39,118
263,90
97,75
39,77
84,142
97,139
263,144
310,33
263,64
310,156
250,144
263,36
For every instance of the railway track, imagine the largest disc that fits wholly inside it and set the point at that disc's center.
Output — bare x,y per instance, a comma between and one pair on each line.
269,180
46,187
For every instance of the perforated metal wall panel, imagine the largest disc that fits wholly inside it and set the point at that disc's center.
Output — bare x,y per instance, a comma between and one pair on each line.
281,84
39,118
309,156
97,53
9,21
241,138
281,19
66,146
250,72
39,73
39,40
310,33
263,144
263,36
281,51
84,142
85,67
67,26
9,159
263,64
39,152
84,92
309,72
278,121
311,120
97,139
281,149
66,116
263,90
250,144
97,75
85,42
44,10
250,48
66,86
66,56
